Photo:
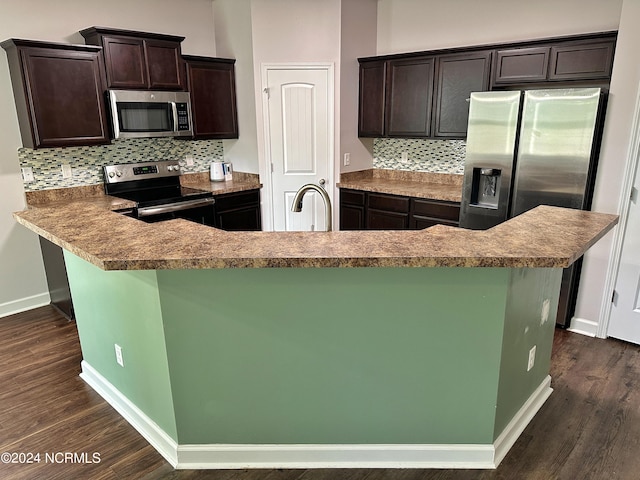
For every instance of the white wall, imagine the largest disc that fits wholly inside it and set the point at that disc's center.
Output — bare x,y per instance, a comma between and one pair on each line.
413,25
22,280
593,298
234,39
358,33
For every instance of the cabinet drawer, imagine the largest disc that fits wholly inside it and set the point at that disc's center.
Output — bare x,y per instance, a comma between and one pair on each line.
392,203
234,200
440,210
352,197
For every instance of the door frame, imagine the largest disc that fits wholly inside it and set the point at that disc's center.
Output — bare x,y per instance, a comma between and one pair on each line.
631,170
265,161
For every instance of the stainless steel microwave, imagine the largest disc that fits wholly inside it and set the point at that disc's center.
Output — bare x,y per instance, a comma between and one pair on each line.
140,113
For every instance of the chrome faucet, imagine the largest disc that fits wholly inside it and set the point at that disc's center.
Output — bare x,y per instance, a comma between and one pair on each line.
297,201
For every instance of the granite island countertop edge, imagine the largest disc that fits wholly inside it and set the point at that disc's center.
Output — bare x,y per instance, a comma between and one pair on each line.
545,237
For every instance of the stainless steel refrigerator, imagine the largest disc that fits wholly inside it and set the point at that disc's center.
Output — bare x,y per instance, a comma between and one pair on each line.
524,149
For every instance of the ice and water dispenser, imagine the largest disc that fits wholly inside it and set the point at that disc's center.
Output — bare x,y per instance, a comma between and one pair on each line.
485,196
485,188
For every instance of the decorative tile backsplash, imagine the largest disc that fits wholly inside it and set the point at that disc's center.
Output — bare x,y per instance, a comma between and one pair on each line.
435,156
87,162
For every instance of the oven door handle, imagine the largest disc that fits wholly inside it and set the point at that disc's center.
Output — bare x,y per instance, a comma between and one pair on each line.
174,207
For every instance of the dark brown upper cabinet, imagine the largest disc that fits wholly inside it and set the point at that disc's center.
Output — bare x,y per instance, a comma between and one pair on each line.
420,97
139,60
519,65
371,104
409,96
457,76
58,90
425,94
559,61
582,61
211,82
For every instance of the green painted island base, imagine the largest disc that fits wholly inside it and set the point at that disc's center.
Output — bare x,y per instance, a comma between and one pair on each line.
344,367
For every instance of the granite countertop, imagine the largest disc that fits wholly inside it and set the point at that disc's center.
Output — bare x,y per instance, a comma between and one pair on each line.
89,228
95,193
435,186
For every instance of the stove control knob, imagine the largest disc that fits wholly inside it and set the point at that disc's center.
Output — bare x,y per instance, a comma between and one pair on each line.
176,168
119,173
112,174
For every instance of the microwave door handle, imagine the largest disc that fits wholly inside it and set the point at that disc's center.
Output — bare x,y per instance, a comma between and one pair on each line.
115,122
174,112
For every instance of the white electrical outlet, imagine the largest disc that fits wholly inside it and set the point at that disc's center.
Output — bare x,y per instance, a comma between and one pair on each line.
119,358
66,170
532,358
347,159
188,160
27,174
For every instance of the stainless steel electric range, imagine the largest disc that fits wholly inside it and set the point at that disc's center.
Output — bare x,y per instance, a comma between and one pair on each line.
156,190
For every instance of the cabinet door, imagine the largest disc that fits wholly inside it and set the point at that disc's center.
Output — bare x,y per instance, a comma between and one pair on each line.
352,209
371,101
458,76
408,97
62,102
238,211
164,65
520,65
241,219
582,61
211,83
125,62
387,212
384,220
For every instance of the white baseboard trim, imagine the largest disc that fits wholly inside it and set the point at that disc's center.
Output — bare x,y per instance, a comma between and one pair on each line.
519,422
150,430
24,304
242,456
583,327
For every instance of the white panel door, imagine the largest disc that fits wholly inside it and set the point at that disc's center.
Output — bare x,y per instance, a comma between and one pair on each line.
624,322
299,143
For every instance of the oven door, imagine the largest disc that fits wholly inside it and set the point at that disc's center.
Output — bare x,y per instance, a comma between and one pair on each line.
199,211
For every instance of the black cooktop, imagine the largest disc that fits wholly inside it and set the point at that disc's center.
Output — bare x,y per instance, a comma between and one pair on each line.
146,197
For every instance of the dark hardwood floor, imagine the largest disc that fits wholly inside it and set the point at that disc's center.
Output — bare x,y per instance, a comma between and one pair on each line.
588,429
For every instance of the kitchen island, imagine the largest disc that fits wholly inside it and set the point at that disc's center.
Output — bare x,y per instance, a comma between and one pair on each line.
422,348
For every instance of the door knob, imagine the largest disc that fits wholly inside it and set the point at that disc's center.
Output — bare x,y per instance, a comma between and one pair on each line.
322,182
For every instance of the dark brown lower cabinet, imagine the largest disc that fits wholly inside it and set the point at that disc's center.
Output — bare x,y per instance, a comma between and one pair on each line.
238,211
360,210
387,212
426,213
352,209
